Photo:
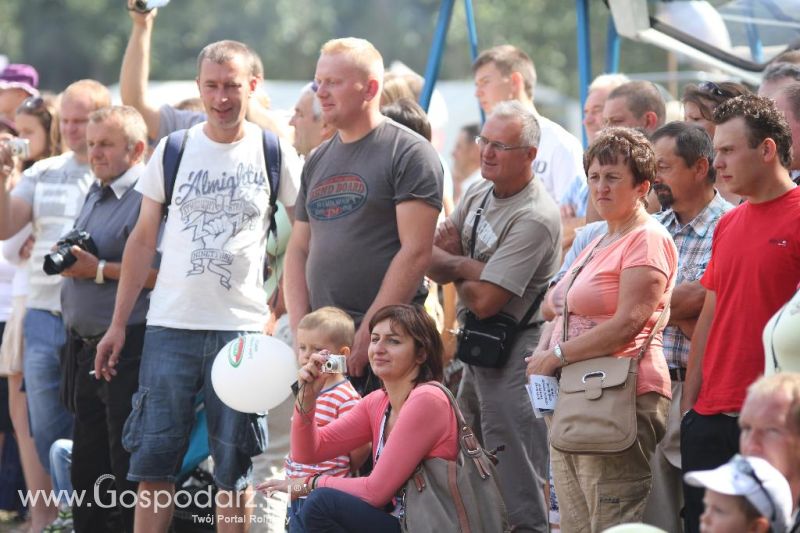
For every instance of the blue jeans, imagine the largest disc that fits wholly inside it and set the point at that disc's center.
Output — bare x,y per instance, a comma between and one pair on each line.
61,465
293,515
333,511
175,367
44,338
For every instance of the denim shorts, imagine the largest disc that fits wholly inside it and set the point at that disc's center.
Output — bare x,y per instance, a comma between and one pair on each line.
175,368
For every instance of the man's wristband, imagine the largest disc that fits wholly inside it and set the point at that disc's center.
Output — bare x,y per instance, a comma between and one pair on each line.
99,278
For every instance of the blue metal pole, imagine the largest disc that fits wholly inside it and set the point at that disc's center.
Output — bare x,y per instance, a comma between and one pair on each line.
437,50
472,34
612,47
754,39
584,51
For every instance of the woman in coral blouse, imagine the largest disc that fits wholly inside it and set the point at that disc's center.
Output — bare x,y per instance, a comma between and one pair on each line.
614,303
405,421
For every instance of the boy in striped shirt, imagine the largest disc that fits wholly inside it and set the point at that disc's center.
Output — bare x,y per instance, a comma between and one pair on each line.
327,328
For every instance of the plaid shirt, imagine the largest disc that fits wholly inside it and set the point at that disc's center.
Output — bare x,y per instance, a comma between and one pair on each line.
694,252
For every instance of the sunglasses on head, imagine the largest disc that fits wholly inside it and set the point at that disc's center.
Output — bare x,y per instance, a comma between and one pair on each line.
744,467
712,88
33,103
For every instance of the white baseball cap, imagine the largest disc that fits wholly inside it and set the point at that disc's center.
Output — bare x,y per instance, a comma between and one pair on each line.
755,479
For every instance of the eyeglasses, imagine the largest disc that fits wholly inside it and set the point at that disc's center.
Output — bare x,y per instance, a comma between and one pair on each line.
743,466
483,142
712,88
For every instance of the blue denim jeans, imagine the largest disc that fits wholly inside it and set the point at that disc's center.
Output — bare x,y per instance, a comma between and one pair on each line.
175,367
61,465
293,515
333,511
44,338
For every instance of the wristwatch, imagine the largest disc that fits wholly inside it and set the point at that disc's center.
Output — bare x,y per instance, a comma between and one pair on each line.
560,355
99,278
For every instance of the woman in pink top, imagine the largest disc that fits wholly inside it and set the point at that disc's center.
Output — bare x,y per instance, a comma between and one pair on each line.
405,421
614,303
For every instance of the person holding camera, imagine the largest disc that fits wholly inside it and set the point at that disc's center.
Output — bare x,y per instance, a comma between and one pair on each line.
327,330
116,139
405,422
501,245
50,194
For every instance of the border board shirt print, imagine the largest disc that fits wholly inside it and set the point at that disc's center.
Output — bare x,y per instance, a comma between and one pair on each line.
214,240
336,196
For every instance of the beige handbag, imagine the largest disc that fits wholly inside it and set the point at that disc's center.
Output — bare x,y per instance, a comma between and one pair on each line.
455,496
596,409
11,347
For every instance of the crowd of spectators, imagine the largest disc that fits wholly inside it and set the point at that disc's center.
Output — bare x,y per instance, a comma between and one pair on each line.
166,232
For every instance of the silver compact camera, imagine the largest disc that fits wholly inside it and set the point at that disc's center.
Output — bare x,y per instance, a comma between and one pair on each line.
336,364
20,147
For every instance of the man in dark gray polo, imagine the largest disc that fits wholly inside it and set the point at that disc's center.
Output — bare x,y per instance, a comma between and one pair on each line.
116,138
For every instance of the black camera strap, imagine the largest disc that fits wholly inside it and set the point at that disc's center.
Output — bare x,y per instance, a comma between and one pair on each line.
523,323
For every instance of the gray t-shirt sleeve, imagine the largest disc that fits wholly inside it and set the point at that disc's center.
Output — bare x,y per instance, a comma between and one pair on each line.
419,175
514,262
172,119
300,212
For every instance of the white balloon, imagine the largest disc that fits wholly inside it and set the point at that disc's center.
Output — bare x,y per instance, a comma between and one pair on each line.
254,373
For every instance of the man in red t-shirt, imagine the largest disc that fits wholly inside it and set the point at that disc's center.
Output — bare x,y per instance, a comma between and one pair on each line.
754,270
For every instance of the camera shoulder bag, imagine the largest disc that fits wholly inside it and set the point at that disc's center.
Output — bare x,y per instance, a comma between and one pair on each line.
460,496
596,409
488,342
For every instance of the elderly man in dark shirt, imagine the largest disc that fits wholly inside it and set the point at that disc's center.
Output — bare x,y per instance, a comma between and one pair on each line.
116,138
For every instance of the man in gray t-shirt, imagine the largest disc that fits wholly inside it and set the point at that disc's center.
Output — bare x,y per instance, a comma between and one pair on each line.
50,194
516,248
368,203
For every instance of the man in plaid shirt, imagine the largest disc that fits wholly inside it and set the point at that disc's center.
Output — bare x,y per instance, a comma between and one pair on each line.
692,207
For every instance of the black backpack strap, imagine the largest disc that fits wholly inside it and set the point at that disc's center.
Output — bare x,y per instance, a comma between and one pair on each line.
272,159
171,161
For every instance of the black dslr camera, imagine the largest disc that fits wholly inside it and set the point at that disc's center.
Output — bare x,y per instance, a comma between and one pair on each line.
62,258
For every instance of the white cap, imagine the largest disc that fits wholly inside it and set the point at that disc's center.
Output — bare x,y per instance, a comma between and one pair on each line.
755,479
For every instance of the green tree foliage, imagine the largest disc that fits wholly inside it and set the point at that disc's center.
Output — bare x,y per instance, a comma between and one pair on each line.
72,39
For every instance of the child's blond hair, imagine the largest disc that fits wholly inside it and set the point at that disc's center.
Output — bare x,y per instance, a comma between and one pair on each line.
334,323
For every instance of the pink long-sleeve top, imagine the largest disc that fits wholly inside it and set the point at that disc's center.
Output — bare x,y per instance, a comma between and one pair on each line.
426,428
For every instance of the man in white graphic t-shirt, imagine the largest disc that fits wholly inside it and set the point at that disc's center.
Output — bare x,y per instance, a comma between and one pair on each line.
209,288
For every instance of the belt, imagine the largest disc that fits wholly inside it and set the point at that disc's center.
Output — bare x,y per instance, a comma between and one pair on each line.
677,374
92,341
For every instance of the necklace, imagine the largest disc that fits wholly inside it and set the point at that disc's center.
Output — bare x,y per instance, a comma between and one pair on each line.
610,238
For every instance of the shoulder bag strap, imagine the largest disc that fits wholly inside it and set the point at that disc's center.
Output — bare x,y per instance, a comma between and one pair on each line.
478,213
575,272
475,222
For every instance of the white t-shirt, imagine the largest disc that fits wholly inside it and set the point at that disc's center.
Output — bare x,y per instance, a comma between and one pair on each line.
56,189
558,160
211,274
